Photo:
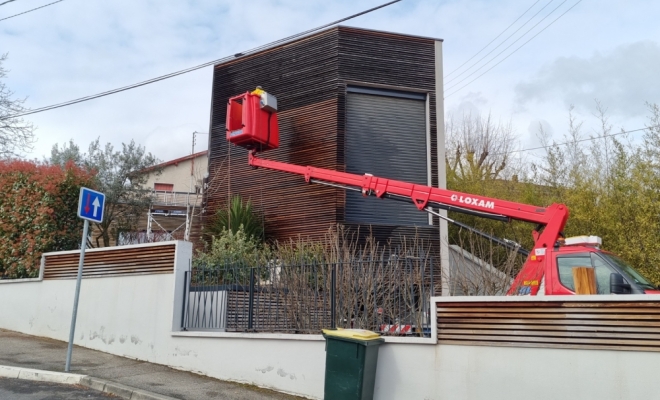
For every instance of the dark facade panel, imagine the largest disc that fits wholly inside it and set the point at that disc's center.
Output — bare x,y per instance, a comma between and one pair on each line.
381,58
400,63
386,137
299,74
290,206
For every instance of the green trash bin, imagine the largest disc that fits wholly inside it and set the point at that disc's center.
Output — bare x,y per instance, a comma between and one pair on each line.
350,363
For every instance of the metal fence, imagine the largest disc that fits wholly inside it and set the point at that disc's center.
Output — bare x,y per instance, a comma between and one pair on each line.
390,296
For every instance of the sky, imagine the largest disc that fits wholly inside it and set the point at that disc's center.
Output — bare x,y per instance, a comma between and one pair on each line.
606,51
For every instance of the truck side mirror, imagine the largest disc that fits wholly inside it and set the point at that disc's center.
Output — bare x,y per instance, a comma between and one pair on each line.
618,285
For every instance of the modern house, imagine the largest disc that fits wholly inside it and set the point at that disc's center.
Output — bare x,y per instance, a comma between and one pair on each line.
349,99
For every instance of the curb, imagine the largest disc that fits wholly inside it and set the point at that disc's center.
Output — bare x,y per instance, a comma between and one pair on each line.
102,385
123,391
39,375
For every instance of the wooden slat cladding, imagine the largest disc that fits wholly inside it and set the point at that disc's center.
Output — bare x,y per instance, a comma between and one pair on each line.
299,74
309,78
381,58
113,261
290,206
616,325
389,60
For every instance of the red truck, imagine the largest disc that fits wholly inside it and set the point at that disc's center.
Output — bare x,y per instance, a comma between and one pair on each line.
252,123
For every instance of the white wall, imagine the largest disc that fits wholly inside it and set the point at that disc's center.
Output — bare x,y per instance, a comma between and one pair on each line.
179,174
133,316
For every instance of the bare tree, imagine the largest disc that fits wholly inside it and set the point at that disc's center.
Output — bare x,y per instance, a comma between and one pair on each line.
479,147
16,135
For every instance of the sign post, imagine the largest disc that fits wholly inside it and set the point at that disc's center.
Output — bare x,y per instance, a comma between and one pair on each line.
90,208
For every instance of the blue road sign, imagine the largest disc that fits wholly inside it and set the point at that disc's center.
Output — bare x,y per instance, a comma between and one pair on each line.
90,205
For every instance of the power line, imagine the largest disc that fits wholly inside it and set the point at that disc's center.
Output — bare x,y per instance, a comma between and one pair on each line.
496,37
578,141
200,66
34,9
8,1
510,54
507,47
489,43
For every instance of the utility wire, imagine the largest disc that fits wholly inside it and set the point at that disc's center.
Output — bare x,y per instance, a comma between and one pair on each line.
34,9
578,141
453,85
491,42
510,54
8,1
503,41
200,66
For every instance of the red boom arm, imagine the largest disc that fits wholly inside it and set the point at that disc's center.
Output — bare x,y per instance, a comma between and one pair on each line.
553,218
252,123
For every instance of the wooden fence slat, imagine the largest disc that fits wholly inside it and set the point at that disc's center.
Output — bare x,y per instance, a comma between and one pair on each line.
567,310
567,328
114,261
567,322
618,325
556,315
654,337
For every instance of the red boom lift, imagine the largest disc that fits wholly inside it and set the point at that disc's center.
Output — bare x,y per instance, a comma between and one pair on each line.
252,123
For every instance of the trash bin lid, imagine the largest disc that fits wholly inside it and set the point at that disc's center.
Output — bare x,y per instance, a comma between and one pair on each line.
360,334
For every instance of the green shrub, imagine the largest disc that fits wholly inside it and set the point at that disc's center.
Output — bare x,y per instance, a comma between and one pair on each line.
238,216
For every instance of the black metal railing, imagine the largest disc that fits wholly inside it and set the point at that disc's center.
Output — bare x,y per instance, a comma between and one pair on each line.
390,296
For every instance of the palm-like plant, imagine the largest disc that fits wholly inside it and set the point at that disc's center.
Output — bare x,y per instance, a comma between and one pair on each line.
237,215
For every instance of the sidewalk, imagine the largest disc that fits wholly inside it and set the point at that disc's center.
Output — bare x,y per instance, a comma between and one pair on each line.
19,350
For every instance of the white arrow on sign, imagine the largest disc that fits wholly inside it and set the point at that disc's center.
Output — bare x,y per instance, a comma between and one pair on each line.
96,205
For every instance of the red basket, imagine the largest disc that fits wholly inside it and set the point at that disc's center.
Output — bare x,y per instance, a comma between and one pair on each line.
249,126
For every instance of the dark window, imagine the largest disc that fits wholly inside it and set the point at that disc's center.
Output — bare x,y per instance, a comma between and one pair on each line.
386,137
163,187
565,264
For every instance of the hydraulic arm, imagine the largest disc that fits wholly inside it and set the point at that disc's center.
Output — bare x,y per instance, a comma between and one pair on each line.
252,123
550,220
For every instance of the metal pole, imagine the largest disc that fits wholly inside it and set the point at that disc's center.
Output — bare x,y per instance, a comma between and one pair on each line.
75,300
251,300
186,235
333,311
186,296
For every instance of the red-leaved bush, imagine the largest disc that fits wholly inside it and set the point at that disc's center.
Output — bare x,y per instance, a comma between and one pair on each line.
37,213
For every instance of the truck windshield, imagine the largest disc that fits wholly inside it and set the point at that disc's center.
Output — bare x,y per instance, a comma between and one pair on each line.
629,272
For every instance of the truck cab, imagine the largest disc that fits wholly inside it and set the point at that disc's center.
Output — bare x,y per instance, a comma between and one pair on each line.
613,275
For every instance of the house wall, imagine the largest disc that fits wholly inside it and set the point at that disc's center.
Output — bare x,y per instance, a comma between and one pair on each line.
310,78
179,174
137,316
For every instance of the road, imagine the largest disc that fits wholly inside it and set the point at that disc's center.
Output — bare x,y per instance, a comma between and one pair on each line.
18,389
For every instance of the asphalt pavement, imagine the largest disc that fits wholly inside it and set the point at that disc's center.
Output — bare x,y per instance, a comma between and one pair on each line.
18,389
20,350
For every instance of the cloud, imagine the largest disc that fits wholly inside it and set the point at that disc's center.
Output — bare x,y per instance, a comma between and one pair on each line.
622,79
77,48
470,104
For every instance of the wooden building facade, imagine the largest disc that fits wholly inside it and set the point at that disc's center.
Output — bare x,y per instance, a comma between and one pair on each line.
351,100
